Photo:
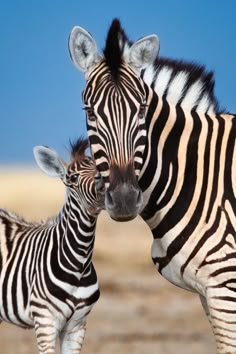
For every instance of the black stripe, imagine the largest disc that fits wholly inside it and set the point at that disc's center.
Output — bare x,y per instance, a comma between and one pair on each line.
151,167
229,165
216,165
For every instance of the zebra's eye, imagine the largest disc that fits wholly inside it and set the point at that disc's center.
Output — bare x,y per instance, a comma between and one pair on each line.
74,178
90,114
142,111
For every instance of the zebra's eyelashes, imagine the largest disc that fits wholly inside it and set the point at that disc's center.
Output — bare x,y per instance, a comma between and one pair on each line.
142,111
90,113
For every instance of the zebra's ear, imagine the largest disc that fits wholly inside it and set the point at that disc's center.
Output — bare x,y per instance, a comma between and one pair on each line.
49,161
83,49
143,52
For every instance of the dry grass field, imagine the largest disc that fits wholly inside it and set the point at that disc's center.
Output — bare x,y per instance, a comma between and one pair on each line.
138,312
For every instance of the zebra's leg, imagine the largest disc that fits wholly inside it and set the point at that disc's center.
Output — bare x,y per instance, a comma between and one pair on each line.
72,339
46,334
221,303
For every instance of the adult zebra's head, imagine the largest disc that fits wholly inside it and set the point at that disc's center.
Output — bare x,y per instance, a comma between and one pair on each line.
115,99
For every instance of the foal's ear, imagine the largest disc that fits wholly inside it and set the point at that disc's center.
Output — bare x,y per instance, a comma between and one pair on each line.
49,161
143,52
83,49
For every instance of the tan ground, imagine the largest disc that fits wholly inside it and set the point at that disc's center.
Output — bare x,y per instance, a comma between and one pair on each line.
138,312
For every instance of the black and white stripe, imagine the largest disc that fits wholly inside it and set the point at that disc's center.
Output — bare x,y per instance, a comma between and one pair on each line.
48,281
188,173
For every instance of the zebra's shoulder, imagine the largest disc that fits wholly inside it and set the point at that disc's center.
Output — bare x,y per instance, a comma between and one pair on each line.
185,83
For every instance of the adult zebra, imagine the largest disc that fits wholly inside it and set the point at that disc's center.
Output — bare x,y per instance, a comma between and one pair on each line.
159,121
47,279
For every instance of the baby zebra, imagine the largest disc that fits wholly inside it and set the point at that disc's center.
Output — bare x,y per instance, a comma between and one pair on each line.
47,278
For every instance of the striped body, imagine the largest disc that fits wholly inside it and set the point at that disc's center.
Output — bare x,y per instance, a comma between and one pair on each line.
47,279
189,189
28,286
188,173
189,196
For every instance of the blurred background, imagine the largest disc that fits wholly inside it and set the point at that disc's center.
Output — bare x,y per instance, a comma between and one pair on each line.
40,103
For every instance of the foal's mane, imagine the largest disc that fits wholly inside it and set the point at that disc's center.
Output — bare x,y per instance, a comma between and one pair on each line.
78,148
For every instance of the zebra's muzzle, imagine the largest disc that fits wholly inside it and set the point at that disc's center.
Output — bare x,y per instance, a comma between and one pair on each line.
124,202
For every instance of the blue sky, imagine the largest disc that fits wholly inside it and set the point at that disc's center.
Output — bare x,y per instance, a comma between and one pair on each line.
40,89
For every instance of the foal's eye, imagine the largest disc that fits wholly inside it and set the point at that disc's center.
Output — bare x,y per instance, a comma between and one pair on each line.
142,111
74,178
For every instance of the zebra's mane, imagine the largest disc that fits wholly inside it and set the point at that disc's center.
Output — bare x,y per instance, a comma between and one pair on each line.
78,147
187,83
184,80
114,48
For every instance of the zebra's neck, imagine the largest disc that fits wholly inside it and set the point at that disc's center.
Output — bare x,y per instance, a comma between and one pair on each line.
171,167
76,232
180,97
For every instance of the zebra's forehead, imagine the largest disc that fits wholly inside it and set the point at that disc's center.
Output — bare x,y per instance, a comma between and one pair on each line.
86,164
102,71
101,85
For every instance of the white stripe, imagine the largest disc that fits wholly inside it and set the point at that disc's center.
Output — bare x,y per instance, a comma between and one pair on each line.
203,104
162,80
176,87
148,75
192,95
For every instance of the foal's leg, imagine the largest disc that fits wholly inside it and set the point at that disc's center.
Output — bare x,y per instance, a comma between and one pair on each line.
46,334
221,303
72,339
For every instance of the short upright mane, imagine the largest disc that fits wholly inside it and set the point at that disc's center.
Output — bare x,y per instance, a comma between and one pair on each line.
78,147
116,39
194,73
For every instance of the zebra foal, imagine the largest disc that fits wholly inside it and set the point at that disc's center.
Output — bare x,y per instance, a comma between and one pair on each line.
47,279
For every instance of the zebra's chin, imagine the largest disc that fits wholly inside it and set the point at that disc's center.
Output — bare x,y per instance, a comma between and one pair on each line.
123,218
